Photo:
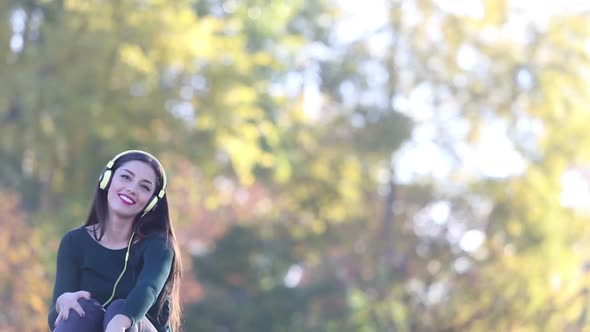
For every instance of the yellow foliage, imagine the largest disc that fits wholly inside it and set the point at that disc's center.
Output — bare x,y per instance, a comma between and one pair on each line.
47,124
306,140
133,56
266,159
242,95
262,59
321,170
269,132
78,5
318,226
336,212
211,203
244,156
283,170
495,11
199,37
205,121
350,175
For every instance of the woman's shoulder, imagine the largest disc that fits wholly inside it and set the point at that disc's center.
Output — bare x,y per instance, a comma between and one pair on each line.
156,241
80,235
75,233
74,240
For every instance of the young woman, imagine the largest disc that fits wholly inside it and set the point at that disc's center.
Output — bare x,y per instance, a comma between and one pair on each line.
121,270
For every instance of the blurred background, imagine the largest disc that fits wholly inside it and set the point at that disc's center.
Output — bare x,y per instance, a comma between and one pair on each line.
334,165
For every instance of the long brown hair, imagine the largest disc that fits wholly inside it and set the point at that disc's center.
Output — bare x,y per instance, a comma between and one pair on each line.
155,222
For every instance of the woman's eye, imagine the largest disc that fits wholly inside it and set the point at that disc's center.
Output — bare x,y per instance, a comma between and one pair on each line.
125,176
146,188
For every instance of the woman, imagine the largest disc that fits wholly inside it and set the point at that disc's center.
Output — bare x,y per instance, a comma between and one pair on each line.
121,270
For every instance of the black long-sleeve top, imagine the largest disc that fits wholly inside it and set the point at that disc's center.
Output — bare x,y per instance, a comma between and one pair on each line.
84,264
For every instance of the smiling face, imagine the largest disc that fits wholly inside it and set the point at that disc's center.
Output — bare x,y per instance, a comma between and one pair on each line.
131,188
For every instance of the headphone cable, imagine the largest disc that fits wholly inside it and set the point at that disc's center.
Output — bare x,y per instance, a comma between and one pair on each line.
122,273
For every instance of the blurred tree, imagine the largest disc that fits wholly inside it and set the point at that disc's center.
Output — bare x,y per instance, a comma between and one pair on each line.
467,248
255,283
163,78
24,288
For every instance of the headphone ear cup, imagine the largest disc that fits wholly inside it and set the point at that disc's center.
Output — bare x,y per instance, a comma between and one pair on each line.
151,205
104,179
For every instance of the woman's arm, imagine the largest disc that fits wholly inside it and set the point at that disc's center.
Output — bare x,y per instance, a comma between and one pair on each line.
157,262
67,277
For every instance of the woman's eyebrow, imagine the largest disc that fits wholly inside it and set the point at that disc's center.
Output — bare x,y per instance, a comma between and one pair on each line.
144,180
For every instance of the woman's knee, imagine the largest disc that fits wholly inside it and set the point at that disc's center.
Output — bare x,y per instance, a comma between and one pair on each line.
116,307
90,305
91,321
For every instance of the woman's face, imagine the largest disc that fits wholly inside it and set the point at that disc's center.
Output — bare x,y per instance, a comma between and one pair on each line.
131,188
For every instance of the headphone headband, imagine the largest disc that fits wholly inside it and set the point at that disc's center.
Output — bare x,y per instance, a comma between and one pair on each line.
112,162
106,175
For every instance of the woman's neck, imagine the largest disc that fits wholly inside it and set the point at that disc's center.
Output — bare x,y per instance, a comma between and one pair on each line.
118,230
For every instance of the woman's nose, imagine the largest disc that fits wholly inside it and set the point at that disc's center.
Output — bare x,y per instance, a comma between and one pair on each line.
133,188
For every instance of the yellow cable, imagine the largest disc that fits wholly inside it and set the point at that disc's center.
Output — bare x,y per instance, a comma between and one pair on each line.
121,275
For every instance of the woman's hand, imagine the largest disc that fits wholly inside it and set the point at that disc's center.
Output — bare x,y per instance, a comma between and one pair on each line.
67,301
118,323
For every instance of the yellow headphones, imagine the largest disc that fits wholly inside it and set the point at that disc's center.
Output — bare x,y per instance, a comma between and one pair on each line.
106,175
103,182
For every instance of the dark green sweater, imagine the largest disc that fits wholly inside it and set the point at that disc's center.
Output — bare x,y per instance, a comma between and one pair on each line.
84,264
